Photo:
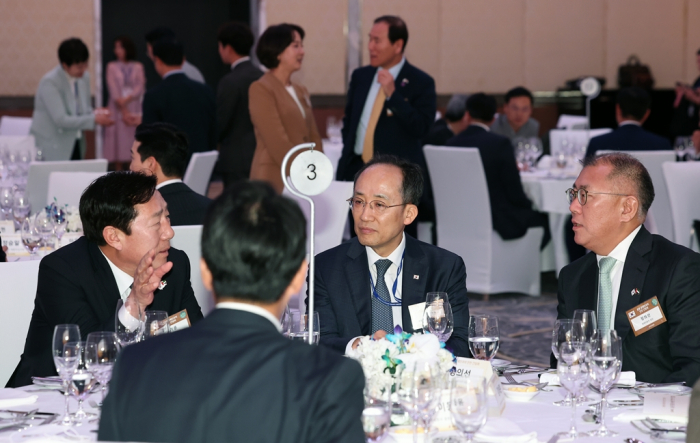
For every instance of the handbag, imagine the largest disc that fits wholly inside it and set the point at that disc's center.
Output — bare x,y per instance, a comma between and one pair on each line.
634,73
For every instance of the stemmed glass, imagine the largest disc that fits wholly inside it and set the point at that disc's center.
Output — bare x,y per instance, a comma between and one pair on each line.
566,331
434,316
60,222
286,321
101,349
6,200
66,361
468,404
376,417
484,336
132,331
82,380
20,208
300,328
31,238
440,385
416,388
156,323
574,373
606,364
45,225
589,325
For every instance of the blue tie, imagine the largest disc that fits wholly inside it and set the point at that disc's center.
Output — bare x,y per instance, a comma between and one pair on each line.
605,292
382,316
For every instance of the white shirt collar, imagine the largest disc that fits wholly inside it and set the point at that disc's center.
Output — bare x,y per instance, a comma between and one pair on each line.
481,125
394,70
124,280
629,122
620,251
237,306
168,182
395,256
173,72
239,61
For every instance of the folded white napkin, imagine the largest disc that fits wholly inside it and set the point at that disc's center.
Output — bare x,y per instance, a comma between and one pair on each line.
9,398
502,430
627,378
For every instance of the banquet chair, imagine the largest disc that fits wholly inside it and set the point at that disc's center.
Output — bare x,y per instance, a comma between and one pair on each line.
464,226
660,211
19,281
65,188
579,137
199,171
188,239
18,142
39,172
567,121
15,125
682,182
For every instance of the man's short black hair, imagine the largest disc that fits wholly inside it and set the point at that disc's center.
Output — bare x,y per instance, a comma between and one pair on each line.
169,51
397,29
237,35
412,183
128,45
634,102
167,144
110,201
519,91
253,242
481,106
274,41
73,51
158,33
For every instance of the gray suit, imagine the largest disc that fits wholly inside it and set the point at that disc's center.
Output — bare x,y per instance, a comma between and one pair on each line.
500,126
55,124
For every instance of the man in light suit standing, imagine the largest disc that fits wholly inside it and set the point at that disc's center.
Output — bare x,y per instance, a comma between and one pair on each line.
62,109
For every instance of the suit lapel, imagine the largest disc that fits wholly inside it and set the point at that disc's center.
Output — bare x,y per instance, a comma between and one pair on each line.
357,279
62,77
633,275
588,285
415,263
106,301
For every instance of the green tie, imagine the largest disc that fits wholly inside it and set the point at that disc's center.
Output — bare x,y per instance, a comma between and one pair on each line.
605,292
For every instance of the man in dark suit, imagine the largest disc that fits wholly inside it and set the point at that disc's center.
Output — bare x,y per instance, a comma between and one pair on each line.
161,150
352,280
233,376
125,254
185,103
511,210
631,111
629,266
454,122
235,130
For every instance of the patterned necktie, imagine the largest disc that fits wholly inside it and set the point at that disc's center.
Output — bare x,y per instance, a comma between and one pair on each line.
368,144
382,316
605,292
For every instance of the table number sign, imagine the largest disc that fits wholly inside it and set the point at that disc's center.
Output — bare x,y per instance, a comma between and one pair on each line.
657,404
7,227
469,367
14,244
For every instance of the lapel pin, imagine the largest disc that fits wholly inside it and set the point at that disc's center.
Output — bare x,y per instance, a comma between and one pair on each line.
404,82
416,277
635,291
162,284
389,113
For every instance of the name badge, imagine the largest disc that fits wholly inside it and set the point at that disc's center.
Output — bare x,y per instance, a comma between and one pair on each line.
179,321
470,367
646,316
7,227
416,313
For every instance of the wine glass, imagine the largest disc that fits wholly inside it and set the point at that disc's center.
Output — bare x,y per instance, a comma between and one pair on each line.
101,349
415,388
376,417
449,326
129,329
435,318
20,207
468,404
441,387
60,222
6,201
82,380
156,323
606,364
589,325
566,331
45,225
483,336
31,238
300,328
574,373
66,364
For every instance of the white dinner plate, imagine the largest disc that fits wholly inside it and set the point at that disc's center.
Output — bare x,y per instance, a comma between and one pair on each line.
498,363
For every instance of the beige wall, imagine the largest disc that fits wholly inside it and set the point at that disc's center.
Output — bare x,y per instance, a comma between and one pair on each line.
30,32
469,45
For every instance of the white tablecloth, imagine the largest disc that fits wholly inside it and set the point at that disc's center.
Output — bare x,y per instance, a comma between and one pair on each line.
333,151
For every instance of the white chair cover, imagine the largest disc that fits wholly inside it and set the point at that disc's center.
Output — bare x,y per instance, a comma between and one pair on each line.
39,172
579,137
660,211
199,171
682,182
188,239
15,125
19,280
463,214
67,187
567,121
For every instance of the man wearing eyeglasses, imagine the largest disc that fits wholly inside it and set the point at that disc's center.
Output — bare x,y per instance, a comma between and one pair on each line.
379,279
642,285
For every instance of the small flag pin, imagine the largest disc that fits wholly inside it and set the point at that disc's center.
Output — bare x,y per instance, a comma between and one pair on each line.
416,277
162,284
635,291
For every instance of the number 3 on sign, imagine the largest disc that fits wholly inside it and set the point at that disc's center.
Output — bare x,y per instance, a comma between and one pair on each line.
311,172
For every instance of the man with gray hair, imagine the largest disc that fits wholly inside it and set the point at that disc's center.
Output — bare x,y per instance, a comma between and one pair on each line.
642,285
452,124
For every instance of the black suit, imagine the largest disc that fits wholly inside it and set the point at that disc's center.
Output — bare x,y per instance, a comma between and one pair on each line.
185,206
439,134
628,137
343,298
187,104
511,210
656,267
235,130
233,377
76,286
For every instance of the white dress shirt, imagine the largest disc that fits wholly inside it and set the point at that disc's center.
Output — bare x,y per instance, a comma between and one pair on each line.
239,61
629,122
252,309
173,72
369,104
124,282
168,182
619,254
389,278
481,125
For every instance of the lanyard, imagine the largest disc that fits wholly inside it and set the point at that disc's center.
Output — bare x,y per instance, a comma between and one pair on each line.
393,288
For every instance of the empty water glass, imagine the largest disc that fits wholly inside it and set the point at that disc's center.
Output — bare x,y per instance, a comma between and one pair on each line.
6,201
156,323
31,238
468,404
101,350
20,208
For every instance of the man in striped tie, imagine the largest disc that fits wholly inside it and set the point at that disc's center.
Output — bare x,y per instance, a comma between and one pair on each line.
629,267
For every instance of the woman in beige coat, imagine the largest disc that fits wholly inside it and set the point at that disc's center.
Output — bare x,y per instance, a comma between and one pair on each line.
279,108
